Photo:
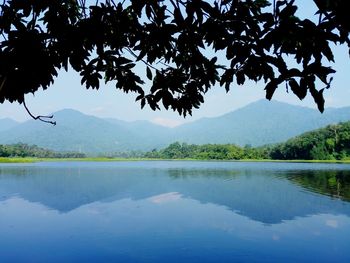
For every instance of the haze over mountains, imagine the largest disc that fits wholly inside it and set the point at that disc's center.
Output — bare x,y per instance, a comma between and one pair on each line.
259,123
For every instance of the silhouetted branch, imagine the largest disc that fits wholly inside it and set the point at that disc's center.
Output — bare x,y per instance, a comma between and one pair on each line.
144,61
39,117
2,82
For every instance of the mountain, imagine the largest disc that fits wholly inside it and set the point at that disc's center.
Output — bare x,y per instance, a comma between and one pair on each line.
259,123
76,132
6,124
149,134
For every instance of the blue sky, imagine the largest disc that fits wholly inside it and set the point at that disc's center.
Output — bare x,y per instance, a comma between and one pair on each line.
67,92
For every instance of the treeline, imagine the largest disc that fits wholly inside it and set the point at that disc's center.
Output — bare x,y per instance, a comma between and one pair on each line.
207,152
123,155
329,143
25,150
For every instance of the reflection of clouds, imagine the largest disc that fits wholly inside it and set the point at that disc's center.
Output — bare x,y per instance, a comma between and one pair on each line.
275,237
317,233
332,223
226,227
164,198
93,211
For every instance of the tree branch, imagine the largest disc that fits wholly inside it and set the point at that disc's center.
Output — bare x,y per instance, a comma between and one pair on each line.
39,117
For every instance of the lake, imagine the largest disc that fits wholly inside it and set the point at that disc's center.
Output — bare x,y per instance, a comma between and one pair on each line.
174,211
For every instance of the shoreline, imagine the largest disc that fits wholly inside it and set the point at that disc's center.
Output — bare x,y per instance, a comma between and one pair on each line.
105,159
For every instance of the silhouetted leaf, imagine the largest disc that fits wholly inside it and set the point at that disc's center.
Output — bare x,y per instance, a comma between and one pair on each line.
318,97
297,90
270,89
109,39
149,73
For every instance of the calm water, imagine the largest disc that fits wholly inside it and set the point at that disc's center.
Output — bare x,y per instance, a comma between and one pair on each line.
174,212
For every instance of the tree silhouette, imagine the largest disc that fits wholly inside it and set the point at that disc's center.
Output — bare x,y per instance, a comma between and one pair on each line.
185,46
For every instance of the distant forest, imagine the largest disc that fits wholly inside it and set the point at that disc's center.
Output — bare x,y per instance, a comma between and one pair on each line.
329,143
25,150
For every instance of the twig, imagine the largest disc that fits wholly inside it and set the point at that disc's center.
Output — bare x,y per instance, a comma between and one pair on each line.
39,117
2,82
144,61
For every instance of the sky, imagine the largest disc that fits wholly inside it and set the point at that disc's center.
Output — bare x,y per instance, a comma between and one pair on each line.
108,102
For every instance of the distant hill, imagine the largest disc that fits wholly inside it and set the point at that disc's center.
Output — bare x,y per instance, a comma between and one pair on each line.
330,142
6,124
147,134
78,132
259,123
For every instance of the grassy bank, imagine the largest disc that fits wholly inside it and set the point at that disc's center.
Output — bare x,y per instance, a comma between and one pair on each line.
87,159
16,160
105,159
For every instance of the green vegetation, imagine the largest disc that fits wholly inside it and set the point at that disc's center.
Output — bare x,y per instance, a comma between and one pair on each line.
329,143
110,137
71,159
21,150
16,160
207,152
332,183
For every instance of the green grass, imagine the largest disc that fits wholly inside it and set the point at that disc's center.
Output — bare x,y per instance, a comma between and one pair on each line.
17,160
105,159
294,161
87,159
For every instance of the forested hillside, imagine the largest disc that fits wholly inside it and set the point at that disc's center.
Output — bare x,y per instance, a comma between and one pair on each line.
256,124
208,152
331,142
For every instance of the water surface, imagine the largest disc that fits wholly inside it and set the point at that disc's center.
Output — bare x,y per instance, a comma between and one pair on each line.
174,212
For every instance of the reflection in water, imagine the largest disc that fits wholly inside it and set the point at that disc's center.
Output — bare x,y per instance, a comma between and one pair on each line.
174,211
164,198
333,183
266,195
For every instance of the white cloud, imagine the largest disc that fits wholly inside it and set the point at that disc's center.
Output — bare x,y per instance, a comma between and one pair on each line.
97,109
166,122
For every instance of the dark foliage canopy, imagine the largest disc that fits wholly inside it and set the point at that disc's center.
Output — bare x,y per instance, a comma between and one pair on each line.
184,46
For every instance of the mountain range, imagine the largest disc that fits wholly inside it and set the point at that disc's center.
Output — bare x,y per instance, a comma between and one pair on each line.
259,123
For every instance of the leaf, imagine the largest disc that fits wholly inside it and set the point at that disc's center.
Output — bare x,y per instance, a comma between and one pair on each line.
227,86
297,90
141,55
178,16
149,73
318,97
139,97
270,89
240,78
143,102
